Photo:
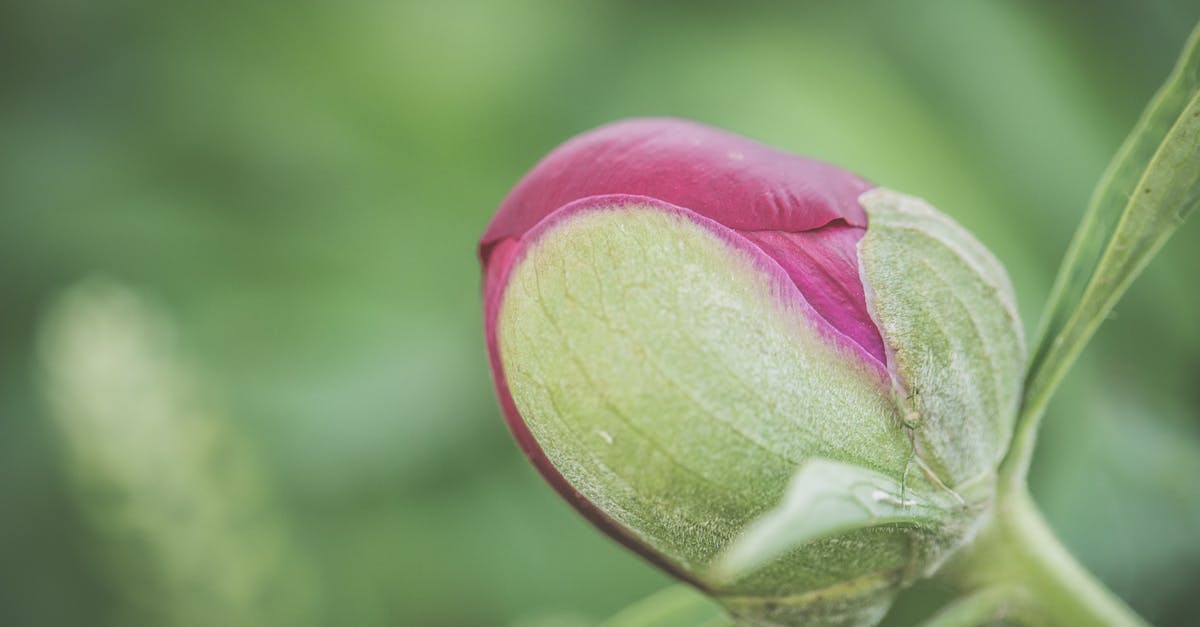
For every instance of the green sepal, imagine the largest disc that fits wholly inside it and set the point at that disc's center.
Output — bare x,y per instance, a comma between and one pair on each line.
947,313
827,498
671,382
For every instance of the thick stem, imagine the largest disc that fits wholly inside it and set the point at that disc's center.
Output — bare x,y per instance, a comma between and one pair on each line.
1018,551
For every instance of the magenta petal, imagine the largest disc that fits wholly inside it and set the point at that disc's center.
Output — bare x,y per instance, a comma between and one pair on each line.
801,212
824,264
736,181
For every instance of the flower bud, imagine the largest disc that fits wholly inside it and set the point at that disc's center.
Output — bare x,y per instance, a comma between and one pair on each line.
679,319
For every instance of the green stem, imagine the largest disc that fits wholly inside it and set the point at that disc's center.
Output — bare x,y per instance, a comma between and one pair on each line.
1014,469
1017,551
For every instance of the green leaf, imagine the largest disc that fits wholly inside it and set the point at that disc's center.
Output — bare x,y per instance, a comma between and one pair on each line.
677,606
1152,184
826,498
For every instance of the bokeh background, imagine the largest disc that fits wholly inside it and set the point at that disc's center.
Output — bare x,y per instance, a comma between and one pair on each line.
242,379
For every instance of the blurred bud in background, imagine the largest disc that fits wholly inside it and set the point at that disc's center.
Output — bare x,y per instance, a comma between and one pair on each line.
182,516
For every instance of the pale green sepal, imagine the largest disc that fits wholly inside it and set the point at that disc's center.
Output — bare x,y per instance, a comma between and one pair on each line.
859,602
673,382
826,498
677,606
948,316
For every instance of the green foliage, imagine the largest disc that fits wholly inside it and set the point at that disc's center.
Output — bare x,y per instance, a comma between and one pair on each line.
301,190
1150,187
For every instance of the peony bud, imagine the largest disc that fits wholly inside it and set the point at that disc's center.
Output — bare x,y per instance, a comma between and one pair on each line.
680,319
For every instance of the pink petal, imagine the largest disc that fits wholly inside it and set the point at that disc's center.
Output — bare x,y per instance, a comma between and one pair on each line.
803,213
731,179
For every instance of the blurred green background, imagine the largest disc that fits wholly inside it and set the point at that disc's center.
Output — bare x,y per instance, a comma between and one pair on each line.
243,379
